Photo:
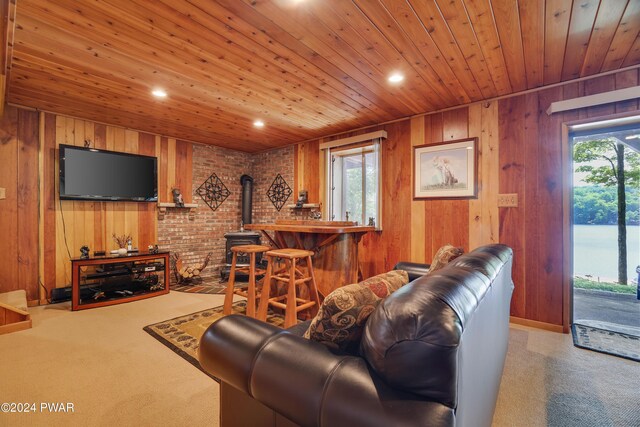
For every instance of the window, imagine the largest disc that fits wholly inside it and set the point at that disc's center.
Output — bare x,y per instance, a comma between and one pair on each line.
353,176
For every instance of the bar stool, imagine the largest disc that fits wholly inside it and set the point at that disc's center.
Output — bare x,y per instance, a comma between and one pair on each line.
290,301
250,290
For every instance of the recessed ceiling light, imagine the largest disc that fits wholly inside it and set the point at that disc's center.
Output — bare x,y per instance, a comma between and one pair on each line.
159,93
258,123
396,78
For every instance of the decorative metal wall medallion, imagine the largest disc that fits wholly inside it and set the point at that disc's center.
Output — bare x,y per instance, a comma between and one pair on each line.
213,191
279,192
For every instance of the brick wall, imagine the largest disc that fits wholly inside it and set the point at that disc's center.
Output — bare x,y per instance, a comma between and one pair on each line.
266,166
193,239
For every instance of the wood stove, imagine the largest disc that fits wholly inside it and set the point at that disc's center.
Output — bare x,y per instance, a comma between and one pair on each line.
237,238
241,237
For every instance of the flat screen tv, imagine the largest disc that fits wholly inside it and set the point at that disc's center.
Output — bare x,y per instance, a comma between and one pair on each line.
90,174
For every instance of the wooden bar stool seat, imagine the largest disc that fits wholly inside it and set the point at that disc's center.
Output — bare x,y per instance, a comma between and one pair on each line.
293,277
248,291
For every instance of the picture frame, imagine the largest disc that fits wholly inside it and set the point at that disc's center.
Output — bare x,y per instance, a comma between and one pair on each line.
446,170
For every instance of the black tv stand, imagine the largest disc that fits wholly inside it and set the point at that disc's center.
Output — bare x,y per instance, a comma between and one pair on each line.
109,280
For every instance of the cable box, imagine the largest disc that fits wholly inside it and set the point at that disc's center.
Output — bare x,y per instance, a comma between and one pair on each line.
147,267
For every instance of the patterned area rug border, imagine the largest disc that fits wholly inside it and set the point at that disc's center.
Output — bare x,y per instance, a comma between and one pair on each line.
582,339
186,356
182,334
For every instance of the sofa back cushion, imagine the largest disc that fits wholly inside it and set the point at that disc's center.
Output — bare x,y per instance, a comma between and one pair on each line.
412,338
344,312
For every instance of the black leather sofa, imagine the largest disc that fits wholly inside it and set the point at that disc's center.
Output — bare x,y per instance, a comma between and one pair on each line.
432,354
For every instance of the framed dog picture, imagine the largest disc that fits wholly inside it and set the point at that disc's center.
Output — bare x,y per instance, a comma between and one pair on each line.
446,170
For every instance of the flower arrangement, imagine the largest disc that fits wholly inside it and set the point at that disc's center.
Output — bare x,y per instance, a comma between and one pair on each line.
121,241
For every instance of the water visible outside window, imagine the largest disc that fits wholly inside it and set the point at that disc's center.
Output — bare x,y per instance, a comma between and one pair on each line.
595,253
606,250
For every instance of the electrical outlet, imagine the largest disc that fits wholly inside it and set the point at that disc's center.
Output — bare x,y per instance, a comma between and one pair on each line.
3,193
508,200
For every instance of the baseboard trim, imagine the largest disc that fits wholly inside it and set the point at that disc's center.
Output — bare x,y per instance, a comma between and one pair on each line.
15,327
536,324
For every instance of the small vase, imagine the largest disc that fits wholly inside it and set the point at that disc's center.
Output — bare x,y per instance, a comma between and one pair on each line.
122,251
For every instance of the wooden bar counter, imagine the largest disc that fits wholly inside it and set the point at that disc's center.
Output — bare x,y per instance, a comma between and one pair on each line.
334,243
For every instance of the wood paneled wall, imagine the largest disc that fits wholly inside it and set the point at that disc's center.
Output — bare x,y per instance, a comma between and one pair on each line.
39,231
413,230
19,208
306,172
69,224
531,164
520,152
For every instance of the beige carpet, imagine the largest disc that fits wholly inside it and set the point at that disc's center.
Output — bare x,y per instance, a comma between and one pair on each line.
116,374
549,382
107,366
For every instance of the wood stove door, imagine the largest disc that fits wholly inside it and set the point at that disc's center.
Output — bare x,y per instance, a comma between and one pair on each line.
243,259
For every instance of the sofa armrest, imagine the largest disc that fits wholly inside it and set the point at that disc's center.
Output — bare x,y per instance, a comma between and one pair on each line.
306,382
284,372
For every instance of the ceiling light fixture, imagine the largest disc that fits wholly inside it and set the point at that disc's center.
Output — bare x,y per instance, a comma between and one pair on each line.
396,78
159,93
258,123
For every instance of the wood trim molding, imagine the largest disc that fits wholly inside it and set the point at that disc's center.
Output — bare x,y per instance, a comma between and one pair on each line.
42,290
15,327
567,231
13,309
535,324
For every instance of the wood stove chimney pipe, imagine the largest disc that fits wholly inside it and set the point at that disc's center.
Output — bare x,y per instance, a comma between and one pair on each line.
247,196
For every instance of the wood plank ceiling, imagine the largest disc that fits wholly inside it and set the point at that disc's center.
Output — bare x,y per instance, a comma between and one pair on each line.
306,68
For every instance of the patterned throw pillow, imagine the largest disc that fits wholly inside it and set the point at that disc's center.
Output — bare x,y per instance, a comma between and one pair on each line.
444,256
344,312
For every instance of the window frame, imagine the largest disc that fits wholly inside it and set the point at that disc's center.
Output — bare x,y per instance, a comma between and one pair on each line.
362,147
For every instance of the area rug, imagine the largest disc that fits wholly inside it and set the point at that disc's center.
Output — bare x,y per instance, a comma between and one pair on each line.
182,334
608,342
